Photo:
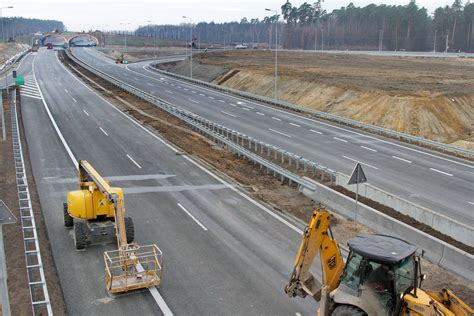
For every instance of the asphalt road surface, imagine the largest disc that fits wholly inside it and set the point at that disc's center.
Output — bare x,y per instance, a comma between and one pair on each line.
431,179
224,253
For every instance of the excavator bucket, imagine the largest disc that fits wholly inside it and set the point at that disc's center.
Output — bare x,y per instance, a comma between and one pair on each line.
137,267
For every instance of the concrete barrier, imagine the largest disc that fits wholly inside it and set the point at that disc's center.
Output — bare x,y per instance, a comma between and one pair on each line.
436,250
448,226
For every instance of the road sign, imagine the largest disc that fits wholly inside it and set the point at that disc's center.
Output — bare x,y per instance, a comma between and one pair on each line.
358,175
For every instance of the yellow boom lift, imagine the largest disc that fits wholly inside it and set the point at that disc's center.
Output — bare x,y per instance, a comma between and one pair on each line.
97,210
382,276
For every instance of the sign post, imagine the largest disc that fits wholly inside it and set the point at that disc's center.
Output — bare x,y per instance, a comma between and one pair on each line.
357,176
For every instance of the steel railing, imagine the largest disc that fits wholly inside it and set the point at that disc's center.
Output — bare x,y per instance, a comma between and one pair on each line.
41,304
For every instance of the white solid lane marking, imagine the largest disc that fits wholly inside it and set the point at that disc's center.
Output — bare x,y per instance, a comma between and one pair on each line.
340,139
160,301
194,218
371,149
296,125
275,131
276,118
85,112
245,109
228,114
260,113
133,160
442,172
103,131
362,163
61,137
193,101
402,159
221,101
312,130
168,91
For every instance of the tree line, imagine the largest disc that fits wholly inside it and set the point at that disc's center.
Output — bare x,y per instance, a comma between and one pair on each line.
17,26
309,26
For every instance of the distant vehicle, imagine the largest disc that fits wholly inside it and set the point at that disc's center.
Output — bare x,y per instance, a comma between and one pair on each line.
49,46
239,46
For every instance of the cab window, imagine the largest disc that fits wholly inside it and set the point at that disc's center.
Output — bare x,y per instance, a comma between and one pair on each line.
352,273
405,275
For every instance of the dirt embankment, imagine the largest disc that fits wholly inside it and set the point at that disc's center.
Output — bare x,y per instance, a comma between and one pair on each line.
429,97
7,50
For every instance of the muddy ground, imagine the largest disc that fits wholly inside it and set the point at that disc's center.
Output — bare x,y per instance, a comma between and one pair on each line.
428,97
256,182
18,290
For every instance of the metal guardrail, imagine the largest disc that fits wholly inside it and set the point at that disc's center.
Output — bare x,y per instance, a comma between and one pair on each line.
326,116
13,59
208,128
41,304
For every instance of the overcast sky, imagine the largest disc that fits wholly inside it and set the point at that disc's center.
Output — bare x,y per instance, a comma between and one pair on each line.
80,15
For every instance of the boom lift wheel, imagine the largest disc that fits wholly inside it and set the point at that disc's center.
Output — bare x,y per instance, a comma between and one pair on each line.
347,310
129,229
80,235
68,220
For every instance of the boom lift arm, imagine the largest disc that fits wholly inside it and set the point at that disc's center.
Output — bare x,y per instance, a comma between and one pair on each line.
94,209
317,238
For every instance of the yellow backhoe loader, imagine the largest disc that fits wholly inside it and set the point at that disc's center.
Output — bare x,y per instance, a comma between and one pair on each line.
382,276
97,210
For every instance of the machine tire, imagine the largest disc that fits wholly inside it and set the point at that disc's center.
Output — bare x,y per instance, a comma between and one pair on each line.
348,310
80,235
68,220
129,229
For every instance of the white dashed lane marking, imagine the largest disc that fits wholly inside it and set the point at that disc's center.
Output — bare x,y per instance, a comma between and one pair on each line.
283,134
227,113
362,163
296,125
340,139
402,159
368,148
442,172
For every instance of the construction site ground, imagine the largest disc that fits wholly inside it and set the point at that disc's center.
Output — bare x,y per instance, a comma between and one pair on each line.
256,182
428,97
18,290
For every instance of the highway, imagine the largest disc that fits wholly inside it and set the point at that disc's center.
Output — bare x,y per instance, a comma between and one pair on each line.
224,253
431,179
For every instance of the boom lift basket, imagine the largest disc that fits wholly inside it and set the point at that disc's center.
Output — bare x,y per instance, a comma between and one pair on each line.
134,268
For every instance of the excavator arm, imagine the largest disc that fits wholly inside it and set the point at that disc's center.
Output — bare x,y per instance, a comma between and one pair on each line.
317,238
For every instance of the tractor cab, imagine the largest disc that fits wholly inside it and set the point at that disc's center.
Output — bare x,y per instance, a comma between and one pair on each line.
379,271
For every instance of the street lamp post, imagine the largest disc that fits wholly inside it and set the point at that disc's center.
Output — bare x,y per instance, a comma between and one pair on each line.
276,52
154,33
191,46
1,17
125,34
